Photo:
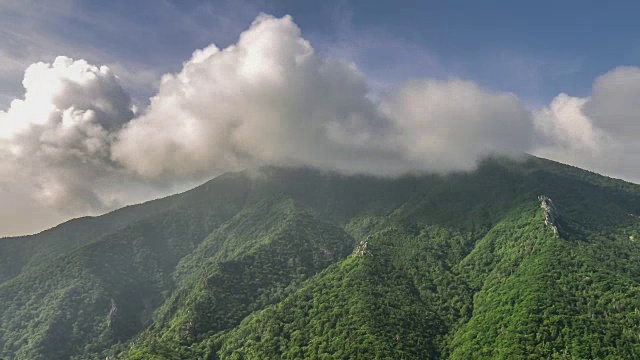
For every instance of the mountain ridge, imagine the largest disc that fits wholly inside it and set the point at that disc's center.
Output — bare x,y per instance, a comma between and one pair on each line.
273,264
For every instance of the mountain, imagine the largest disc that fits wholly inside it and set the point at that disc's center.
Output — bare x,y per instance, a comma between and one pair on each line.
518,259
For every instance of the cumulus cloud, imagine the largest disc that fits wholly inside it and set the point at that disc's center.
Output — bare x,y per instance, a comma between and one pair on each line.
55,143
597,132
451,125
74,143
614,105
270,98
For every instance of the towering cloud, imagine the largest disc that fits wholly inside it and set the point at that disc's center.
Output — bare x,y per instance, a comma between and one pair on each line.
64,92
271,99
55,144
266,99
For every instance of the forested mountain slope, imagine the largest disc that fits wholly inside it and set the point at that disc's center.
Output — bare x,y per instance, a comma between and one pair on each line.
518,259
21,253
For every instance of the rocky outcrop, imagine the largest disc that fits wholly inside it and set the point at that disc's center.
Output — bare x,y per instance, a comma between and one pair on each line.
362,248
550,214
112,312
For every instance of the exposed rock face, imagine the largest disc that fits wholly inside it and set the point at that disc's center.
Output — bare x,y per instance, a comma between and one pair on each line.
361,249
112,312
550,213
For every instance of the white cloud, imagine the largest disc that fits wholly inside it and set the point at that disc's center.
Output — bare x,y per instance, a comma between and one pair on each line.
55,145
450,125
564,124
614,105
271,99
597,132
68,92
74,145
139,48
268,98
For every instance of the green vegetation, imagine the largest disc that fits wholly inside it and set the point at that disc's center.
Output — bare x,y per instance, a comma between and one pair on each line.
294,263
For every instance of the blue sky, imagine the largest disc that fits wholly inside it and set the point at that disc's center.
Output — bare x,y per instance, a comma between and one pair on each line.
533,49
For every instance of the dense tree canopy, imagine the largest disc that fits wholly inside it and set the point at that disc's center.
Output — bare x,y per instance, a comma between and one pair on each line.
295,263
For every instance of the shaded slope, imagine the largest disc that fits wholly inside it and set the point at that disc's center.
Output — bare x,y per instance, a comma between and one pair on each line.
105,291
18,254
368,306
248,263
400,295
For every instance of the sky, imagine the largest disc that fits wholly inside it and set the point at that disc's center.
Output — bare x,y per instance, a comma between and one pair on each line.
104,104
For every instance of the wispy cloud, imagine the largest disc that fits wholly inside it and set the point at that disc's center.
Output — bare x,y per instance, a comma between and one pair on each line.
387,59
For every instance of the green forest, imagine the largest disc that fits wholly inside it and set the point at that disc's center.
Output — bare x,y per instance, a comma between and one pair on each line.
527,259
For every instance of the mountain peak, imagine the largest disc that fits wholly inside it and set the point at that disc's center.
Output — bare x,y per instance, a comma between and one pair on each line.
275,263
